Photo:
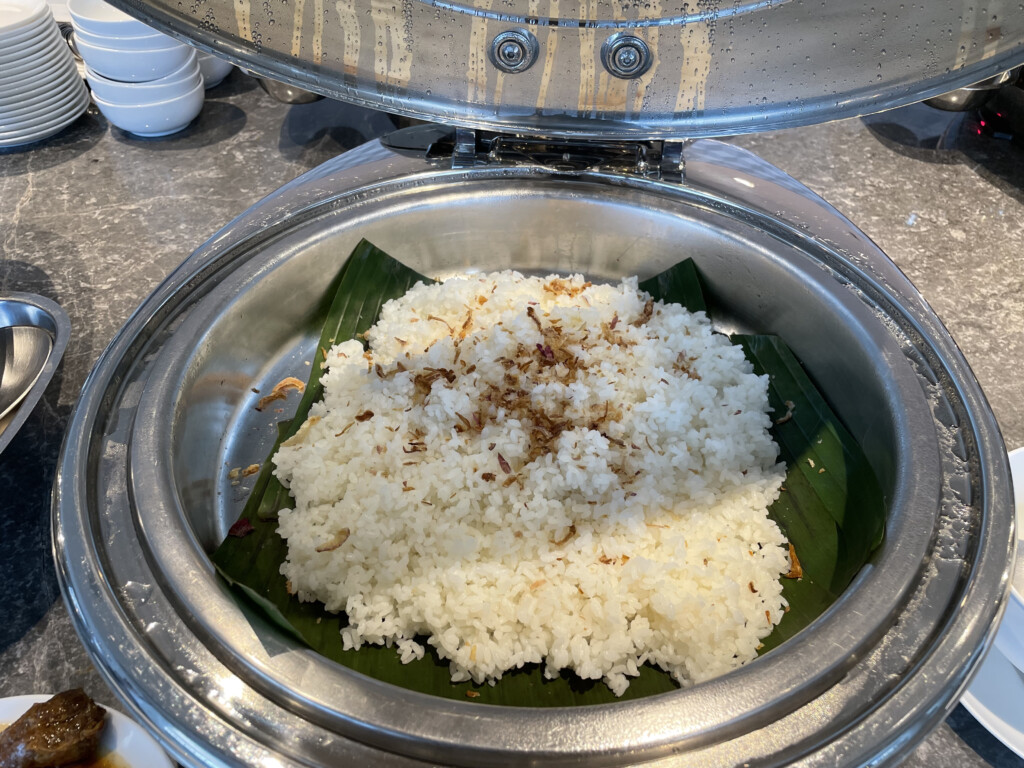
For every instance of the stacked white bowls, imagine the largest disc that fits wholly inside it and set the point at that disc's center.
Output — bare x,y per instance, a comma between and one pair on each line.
144,82
214,70
40,90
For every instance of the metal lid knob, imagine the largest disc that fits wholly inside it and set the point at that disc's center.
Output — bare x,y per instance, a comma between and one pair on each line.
514,50
625,56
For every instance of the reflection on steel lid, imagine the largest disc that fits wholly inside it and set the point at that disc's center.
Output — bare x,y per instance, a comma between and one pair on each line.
697,68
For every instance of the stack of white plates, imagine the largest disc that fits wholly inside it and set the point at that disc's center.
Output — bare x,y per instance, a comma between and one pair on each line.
41,92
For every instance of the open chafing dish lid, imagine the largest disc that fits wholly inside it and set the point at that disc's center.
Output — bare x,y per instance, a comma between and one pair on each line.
614,69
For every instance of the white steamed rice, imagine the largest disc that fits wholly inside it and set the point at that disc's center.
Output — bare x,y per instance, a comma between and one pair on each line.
540,470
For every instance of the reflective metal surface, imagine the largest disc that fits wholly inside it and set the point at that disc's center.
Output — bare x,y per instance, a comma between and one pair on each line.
716,66
975,95
23,353
33,334
144,493
287,93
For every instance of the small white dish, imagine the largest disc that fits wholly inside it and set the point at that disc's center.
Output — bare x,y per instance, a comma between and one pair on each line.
997,690
994,699
1010,638
161,118
122,736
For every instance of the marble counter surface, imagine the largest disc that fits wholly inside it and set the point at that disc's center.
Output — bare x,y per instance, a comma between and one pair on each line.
95,218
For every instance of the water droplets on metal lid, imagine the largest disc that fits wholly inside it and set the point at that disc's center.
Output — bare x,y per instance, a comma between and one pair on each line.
436,59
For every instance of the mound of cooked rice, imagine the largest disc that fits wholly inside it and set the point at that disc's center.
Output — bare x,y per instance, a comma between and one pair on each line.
540,470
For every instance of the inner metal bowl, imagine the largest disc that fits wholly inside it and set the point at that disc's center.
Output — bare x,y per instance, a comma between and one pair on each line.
144,493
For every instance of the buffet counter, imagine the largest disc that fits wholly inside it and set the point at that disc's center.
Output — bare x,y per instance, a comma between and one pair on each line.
95,218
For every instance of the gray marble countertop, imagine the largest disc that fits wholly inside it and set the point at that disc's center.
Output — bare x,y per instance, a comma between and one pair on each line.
94,219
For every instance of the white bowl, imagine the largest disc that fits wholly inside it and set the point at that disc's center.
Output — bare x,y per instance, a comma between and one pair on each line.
134,66
101,18
214,69
1010,638
126,42
157,119
188,70
181,81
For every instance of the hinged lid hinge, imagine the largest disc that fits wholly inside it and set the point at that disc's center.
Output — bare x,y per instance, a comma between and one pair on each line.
661,160
465,151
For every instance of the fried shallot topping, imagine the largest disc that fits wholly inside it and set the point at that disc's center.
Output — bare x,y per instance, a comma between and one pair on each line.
556,357
561,286
280,391
646,314
569,534
790,407
336,541
796,570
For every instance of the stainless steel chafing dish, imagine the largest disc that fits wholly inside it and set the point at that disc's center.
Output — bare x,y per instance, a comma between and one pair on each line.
143,494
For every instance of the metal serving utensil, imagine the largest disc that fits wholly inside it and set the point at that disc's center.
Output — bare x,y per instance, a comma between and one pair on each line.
24,351
33,334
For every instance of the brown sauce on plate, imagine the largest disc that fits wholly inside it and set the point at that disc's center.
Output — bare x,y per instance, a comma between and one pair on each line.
106,760
109,760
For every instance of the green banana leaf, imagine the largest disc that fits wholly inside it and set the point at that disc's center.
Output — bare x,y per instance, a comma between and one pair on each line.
251,562
831,507
679,284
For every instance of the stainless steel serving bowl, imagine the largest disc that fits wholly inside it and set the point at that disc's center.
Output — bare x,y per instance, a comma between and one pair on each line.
33,334
143,493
